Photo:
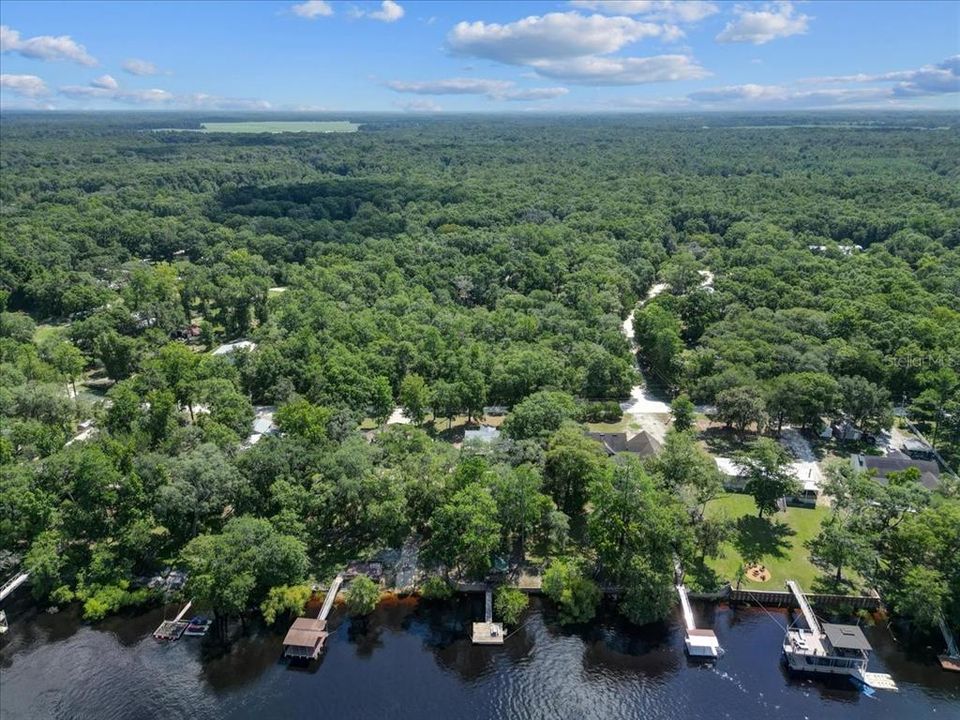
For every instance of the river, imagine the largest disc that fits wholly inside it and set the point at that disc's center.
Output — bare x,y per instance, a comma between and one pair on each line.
413,660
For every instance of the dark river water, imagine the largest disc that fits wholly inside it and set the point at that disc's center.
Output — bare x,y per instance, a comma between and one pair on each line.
412,660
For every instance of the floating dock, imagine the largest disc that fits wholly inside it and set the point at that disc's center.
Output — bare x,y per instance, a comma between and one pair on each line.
700,643
488,632
173,629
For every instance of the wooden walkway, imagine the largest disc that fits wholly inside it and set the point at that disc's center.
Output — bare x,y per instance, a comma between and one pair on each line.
950,661
330,598
12,584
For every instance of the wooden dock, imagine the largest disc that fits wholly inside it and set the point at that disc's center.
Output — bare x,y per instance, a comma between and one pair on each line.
307,636
173,629
331,597
488,632
699,643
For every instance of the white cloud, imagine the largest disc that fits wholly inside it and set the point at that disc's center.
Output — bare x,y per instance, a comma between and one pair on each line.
545,93
312,9
389,11
153,96
44,47
759,27
670,10
135,66
493,89
576,48
425,106
217,102
777,97
107,88
106,82
748,92
24,85
547,37
942,78
889,89
593,70
452,86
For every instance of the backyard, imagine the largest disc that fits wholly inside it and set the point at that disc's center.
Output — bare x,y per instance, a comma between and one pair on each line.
776,542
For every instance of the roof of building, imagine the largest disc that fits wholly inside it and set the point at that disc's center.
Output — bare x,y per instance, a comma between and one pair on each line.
846,637
898,462
306,632
230,347
642,443
484,434
728,467
702,638
915,445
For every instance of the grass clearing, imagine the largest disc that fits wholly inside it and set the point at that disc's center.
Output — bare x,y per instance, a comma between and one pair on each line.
282,126
45,332
777,542
622,425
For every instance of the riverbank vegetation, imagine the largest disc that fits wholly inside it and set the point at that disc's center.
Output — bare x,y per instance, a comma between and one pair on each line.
424,270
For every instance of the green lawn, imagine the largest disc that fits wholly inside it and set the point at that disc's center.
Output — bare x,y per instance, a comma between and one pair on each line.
776,542
622,425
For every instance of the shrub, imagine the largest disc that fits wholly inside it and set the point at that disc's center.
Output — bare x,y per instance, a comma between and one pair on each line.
108,599
362,596
509,604
285,599
600,411
436,588
576,595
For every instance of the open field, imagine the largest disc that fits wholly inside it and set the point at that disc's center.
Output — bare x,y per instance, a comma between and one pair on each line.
282,126
776,542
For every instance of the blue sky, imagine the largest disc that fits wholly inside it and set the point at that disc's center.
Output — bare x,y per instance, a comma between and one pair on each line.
577,56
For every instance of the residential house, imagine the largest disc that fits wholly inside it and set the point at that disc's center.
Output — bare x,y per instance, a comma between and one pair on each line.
882,466
641,443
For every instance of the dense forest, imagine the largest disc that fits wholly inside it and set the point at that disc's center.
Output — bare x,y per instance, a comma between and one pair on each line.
442,266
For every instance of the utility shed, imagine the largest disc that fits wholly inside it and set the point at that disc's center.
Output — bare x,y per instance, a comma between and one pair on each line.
305,638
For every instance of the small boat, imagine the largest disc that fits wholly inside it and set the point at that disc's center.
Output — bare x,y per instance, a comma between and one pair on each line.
4,625
198,626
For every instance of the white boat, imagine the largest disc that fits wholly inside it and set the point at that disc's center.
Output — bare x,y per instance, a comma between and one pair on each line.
4,625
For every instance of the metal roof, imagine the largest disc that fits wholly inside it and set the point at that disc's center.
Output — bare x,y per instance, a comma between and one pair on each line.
846,637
